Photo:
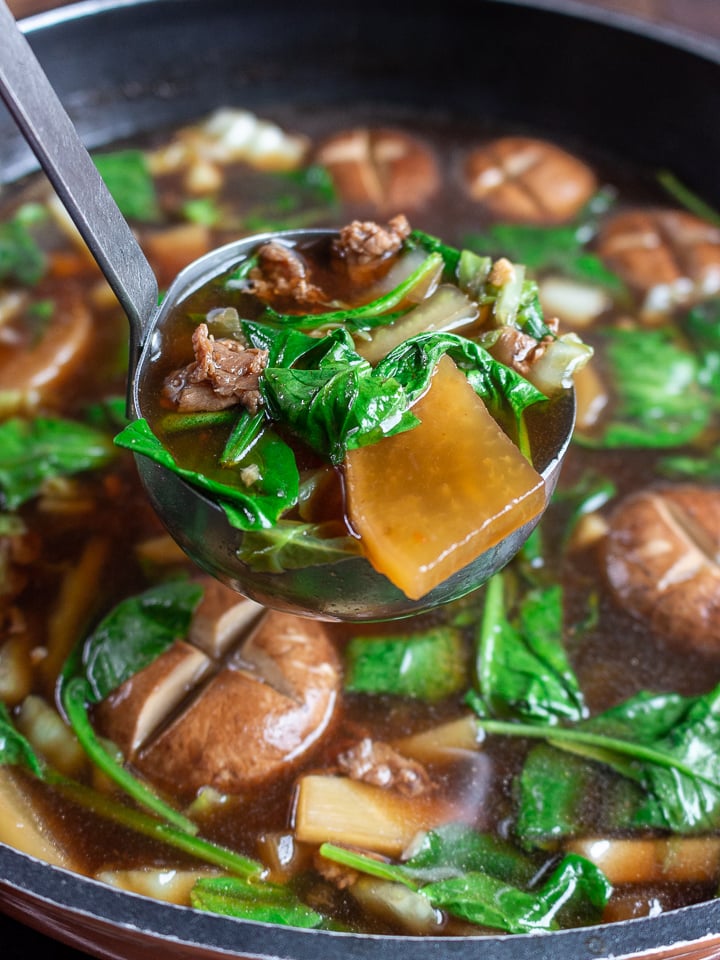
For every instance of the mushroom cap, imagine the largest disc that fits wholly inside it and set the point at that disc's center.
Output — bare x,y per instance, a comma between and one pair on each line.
662,560
230,707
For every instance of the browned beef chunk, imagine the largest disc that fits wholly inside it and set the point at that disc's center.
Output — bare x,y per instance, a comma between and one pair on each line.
224,373
282,273
365,249
362,241
375,762
518,350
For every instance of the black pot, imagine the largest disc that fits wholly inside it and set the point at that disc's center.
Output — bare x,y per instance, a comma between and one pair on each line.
621,87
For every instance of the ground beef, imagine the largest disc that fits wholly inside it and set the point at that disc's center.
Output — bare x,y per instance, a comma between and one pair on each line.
375,762
223,374
282,273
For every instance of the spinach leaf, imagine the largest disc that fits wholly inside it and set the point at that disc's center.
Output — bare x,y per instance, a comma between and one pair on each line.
33,451
292,545
702,326
372,314
659,397
412,364
678,800
590,492
450,255
454,849
563,248
428,665
339,405
108,414
253,900
696,468
178,832
664,745
135,632
130,637
77,696
21,258
576,892
687,198
552,792
127,176
298,198
577,889
15,750
276,489
243,436
522,668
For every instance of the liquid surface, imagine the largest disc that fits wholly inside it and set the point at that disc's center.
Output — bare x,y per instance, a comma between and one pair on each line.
80,538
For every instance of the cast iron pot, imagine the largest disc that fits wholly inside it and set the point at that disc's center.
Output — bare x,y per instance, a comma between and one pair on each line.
551,68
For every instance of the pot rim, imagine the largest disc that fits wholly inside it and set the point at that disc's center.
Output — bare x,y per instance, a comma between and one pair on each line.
51,889
675,36
39,894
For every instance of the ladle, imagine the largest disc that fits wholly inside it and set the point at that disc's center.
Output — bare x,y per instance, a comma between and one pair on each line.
346,590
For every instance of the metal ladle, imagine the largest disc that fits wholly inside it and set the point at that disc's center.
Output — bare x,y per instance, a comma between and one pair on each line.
345,590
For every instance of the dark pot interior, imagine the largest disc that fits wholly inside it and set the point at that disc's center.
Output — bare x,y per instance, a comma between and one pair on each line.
621,88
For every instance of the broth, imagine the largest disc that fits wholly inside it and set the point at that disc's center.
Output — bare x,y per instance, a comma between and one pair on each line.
78,538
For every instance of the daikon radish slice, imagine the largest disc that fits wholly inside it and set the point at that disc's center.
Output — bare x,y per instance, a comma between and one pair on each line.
427,502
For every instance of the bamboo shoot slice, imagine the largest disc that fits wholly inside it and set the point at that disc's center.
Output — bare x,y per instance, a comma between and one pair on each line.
653,860
341,810
20,825
427,502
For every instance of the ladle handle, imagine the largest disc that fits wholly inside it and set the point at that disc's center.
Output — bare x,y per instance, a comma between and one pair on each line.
48,129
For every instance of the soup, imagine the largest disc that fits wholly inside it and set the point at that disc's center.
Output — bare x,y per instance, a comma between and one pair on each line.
539,754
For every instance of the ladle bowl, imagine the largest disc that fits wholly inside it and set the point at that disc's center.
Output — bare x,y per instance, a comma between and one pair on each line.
350,589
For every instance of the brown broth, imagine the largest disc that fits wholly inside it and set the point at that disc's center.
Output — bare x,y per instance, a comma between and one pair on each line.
617,656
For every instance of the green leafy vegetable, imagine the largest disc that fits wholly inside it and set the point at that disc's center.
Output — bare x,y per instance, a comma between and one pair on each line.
696,468
702,325
292,545
244,434
203,210
108,414
522,668
562,248
577,889
246,509
33,451
252,900
76,699
576,892
129,638
664,744
428,665
374,313
659,397
137,631
589,493
21,258
336,401
413,362
454,849
128,178
15,750
298,198
687,198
